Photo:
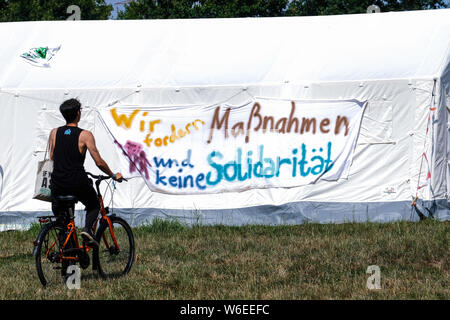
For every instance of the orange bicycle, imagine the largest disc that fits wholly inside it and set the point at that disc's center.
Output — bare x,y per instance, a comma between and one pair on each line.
57,246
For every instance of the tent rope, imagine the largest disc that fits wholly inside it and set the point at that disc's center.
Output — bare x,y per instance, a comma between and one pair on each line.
431,109
15,94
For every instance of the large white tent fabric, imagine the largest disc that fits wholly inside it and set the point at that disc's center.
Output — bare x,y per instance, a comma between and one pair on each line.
398,63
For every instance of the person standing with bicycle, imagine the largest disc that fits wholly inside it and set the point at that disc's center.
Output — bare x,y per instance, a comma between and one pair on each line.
68,145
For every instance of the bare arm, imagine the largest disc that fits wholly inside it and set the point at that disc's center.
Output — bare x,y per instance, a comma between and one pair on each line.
88,139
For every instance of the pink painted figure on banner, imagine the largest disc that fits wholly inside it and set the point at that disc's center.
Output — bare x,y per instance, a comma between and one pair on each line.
137,156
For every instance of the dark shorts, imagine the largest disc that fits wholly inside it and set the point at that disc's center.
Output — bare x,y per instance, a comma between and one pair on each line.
86,194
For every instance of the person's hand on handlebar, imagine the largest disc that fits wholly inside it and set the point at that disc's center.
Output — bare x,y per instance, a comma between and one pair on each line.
117,177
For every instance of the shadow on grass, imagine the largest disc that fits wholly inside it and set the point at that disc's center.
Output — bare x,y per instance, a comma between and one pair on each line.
20,257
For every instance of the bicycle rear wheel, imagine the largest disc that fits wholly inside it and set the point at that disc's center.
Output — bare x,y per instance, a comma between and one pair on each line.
113,261
49,267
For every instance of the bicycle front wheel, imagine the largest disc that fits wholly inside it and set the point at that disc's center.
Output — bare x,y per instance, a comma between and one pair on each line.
115,254
49,267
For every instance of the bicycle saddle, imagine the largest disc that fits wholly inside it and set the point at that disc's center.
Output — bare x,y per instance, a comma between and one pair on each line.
67,198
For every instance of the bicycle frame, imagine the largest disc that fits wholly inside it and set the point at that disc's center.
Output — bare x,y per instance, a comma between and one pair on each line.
72,234
104,217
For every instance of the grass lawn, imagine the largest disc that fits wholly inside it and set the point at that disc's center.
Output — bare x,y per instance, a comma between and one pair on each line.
309,261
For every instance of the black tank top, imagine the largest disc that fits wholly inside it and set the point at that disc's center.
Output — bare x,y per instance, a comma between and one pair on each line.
68,162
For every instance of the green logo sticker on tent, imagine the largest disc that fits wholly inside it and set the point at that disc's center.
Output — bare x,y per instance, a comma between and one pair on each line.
42,52
40,56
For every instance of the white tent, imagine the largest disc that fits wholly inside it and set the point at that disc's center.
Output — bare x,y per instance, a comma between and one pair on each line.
398,62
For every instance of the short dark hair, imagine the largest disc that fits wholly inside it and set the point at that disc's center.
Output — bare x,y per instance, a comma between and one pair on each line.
69,109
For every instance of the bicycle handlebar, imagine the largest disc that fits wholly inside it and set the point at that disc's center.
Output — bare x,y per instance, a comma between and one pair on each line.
101,177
